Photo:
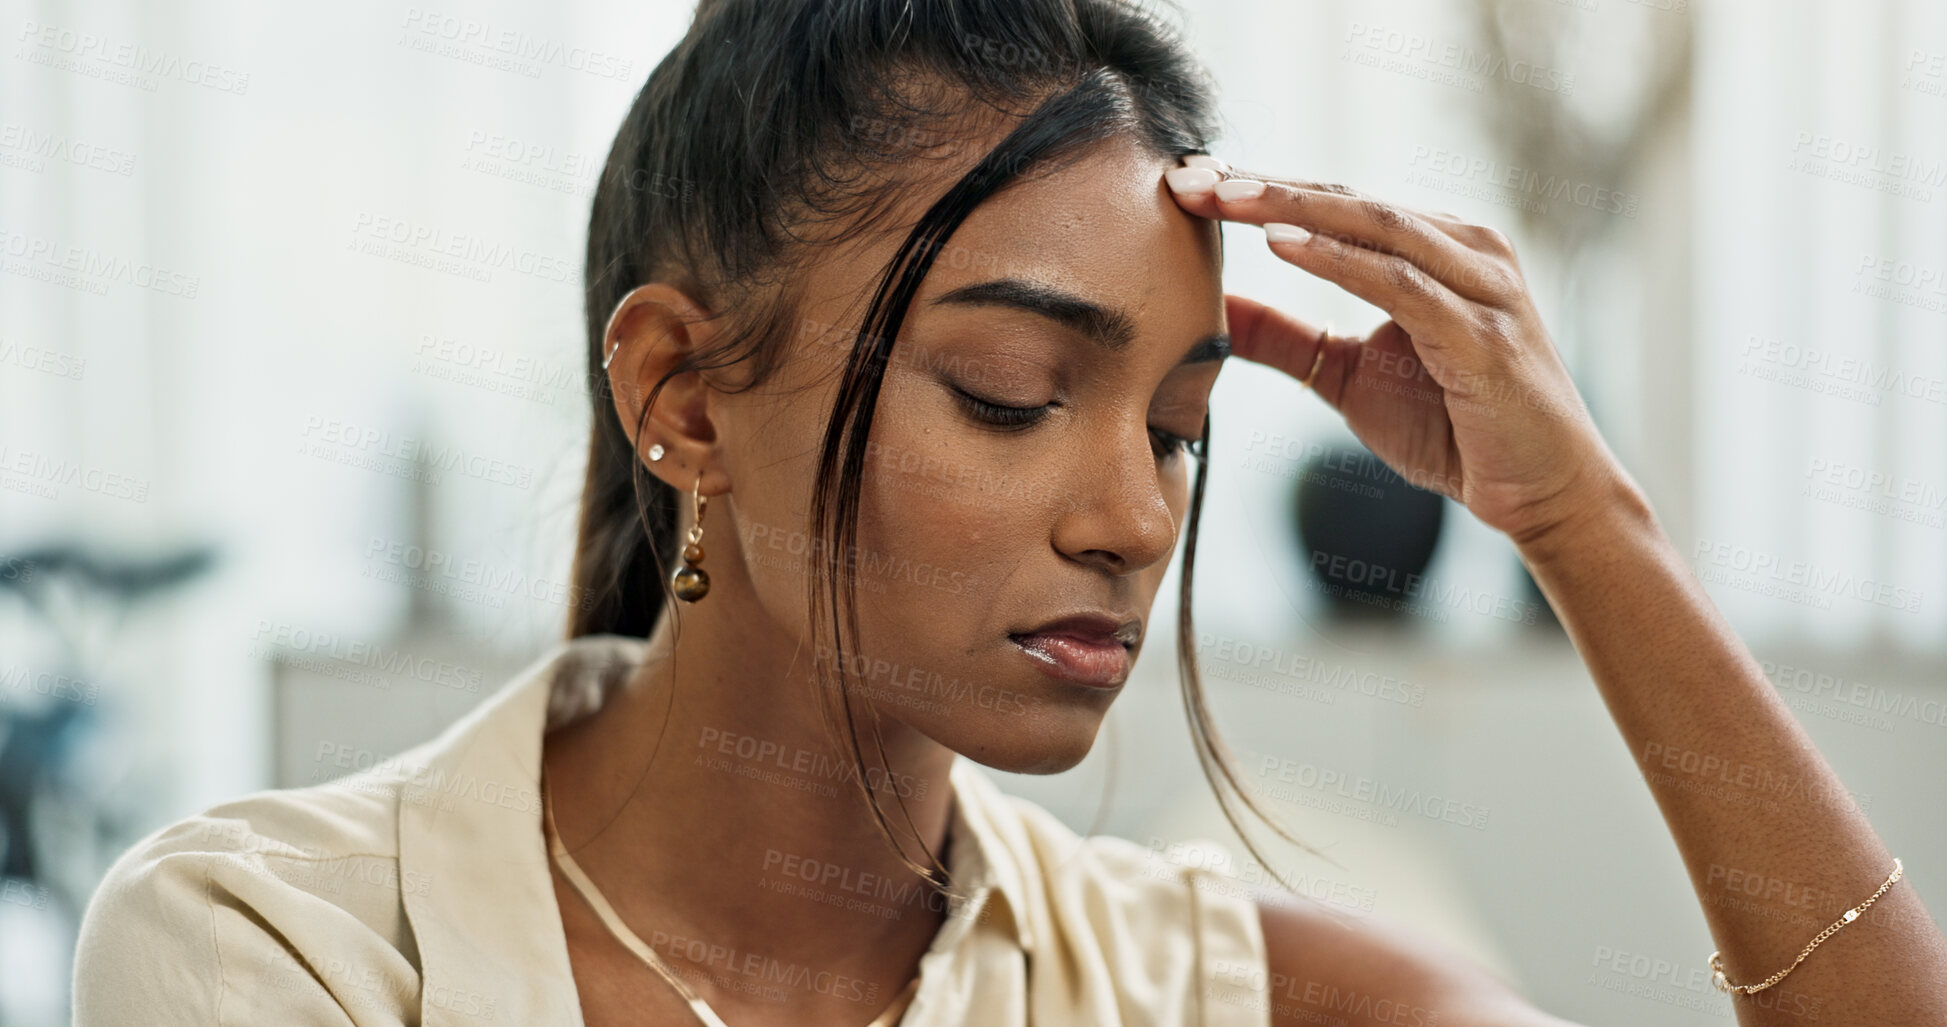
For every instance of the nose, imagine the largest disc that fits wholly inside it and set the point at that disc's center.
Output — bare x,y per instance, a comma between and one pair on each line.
1117,518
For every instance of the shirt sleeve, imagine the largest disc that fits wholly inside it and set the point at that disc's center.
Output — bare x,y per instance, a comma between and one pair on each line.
177,936
146,952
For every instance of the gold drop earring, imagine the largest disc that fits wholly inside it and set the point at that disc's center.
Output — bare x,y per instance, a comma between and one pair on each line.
690,582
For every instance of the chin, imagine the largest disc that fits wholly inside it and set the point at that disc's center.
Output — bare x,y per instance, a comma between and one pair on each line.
1053,738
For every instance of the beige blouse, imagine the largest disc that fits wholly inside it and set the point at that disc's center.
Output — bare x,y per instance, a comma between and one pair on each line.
419,892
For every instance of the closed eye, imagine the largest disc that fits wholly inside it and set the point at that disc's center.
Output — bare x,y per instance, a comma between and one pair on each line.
1000,415
1164,444
1169,444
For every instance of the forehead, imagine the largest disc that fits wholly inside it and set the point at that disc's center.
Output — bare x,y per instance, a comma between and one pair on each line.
1100,224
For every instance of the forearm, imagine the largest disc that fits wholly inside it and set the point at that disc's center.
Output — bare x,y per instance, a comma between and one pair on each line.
1747,797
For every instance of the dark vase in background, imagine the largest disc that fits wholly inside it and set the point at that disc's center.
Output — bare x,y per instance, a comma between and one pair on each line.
1367,536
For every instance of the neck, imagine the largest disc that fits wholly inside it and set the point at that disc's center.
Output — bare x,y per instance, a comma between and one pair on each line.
707,802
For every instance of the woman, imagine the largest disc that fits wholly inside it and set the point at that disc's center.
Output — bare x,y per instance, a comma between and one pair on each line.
906,318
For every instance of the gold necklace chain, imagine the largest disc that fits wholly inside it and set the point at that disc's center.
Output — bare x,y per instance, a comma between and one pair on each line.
611,920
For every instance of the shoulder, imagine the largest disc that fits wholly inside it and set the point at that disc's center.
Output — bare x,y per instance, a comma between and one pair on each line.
1159,934
240,911
1369,969
1264,953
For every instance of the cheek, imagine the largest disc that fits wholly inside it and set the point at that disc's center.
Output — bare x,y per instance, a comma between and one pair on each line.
940,502
772,435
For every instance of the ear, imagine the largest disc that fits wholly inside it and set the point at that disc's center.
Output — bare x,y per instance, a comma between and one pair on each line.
651,330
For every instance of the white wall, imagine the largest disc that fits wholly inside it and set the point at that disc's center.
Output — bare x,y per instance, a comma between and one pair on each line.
270,146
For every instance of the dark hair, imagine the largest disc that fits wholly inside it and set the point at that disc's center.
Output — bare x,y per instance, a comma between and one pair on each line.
776,121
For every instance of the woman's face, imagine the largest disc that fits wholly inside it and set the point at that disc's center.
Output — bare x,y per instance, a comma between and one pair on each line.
1024,463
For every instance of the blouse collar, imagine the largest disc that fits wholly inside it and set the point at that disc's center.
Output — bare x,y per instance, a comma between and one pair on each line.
473,866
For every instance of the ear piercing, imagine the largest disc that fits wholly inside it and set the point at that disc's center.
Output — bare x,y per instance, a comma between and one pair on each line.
609,331
690,582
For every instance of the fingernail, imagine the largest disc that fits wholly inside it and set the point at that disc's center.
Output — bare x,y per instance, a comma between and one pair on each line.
1231,190
1277,232
1191,180
1204,160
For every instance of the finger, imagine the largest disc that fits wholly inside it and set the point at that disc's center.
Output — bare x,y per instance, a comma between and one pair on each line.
1269,336
1193,192
1370,223
1421,303
1196,189
1469,258
1447,221
1204,160
1191,187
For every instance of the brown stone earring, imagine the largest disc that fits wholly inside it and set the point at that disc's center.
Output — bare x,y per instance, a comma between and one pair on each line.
690,582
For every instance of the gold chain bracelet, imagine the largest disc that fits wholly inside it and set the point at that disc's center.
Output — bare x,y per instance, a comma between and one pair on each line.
1717,967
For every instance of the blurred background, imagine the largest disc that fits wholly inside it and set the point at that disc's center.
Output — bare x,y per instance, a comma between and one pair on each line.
292,428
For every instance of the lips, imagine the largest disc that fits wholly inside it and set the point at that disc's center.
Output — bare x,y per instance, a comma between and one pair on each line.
1088,649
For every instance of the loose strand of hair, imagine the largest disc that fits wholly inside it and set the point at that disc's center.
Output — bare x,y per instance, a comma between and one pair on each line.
1213,754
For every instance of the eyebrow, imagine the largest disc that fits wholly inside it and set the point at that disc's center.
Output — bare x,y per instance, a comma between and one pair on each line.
1107,327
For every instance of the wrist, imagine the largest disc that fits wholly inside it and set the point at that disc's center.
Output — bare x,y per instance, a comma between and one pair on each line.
1614,511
